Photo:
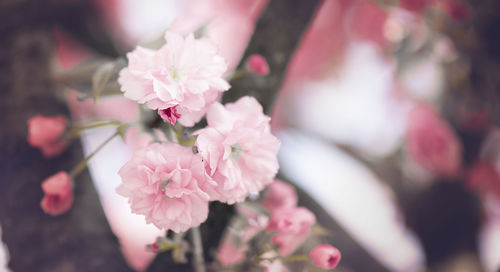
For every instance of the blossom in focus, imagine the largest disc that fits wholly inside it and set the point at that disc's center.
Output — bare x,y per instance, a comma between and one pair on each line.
432,143
162,182
325,256
292,225
257,64
279,195
239,150
185,72
483,177
58,194
46,132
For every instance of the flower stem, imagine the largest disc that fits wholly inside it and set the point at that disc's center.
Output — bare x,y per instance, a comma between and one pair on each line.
79,167
77,129
199,262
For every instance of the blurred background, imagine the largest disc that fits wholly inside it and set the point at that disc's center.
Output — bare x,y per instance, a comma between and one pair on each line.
387,114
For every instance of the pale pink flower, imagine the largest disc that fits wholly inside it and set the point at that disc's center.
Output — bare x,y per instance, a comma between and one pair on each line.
293,226
325,256
279,195
257,64
58,194
239,150
185,72
162,182
432,143
484,178
46,133
229,252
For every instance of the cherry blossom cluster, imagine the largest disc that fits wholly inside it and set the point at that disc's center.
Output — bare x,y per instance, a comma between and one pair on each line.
172,180
170,184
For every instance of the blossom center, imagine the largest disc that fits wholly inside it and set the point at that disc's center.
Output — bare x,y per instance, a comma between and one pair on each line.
176,74
236,151
164,184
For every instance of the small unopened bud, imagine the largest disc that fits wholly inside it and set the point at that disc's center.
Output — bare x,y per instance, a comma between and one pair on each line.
257,64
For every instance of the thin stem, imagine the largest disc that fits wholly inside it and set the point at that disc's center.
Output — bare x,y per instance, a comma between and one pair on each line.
199,262
79,167
179,254
77,129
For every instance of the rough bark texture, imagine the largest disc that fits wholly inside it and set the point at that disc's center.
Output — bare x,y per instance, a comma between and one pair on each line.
80,240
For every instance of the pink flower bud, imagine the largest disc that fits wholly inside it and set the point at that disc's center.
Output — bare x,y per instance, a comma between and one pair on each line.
58,194
45,133
293,226
279,195
325,256
257,64
170,115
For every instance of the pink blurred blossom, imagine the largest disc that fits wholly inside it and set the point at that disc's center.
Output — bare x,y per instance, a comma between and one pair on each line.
415,5
230,253
279,195
58,194
45,132
239,150
455,8
325,256
293,226
181,73
432,143
162,182
484,178
257,64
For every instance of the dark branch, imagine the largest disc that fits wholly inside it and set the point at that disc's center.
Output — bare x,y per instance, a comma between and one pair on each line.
80,240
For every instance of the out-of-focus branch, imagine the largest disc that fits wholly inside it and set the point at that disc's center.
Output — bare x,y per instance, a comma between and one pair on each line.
276,36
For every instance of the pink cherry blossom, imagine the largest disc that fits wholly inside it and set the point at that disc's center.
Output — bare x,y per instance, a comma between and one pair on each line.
185,72
293,226
432,143
45,133
257,64
239,150
58,194
162,182
484,178
279,195
325,256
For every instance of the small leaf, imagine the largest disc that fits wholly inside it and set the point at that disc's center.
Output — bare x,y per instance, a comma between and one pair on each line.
106,74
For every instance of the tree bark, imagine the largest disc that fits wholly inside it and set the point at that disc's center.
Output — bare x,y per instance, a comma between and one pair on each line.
80,240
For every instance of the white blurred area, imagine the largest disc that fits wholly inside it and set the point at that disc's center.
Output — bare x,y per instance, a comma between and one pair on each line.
4,255
357,106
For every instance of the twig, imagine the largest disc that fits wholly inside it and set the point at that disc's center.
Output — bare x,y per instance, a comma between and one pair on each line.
199,261
78,168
